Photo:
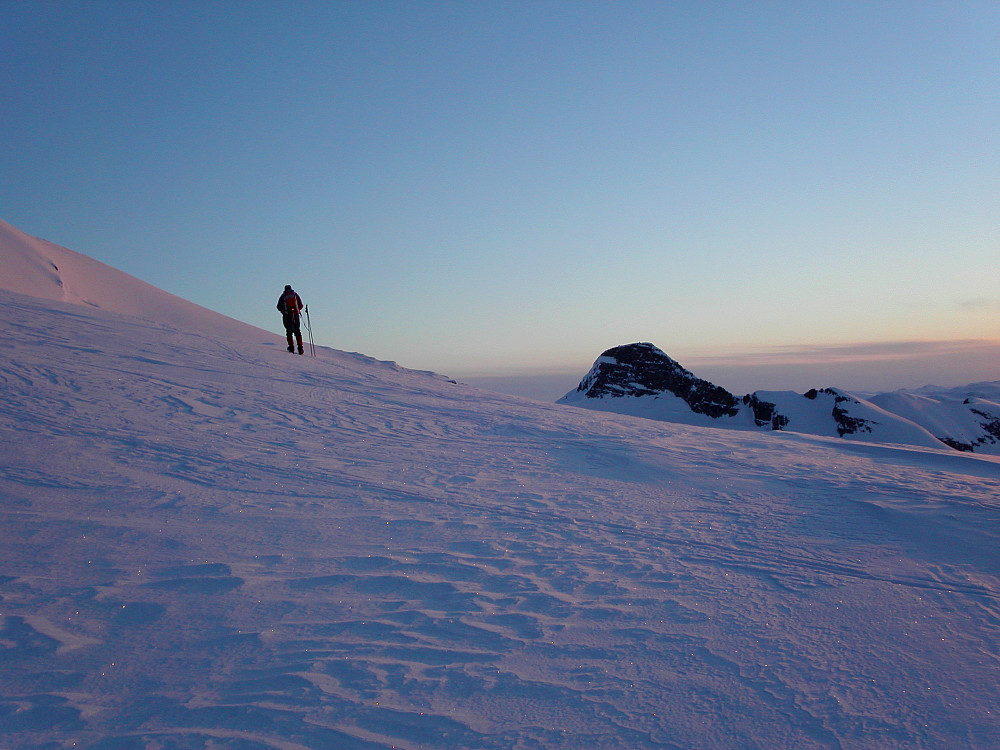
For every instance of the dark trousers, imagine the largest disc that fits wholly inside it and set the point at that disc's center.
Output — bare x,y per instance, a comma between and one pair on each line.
291,322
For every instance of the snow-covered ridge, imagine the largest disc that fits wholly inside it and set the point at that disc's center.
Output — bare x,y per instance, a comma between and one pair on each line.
641,380
39,268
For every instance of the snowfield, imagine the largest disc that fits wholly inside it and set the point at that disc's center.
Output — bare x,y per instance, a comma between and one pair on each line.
207,542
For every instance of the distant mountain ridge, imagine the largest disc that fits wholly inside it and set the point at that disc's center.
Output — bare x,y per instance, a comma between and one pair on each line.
641,380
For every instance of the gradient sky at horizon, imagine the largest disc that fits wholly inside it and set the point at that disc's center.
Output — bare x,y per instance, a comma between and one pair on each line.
515,187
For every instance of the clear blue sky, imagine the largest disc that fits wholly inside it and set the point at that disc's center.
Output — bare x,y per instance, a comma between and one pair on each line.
497,187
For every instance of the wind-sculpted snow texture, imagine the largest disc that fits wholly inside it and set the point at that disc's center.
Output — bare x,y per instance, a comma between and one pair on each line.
208,545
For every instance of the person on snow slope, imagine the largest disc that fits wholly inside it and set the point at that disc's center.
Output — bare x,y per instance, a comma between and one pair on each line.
290,307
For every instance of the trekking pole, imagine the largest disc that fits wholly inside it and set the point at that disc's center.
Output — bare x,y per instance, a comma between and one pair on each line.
309,329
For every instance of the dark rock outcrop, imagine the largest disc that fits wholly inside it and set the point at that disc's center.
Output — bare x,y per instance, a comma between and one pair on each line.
765,413
644,370
990,426
846,424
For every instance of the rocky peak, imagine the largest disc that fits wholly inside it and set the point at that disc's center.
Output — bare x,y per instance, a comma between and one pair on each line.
642,369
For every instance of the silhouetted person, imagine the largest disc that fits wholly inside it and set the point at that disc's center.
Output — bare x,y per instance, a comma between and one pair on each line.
290,305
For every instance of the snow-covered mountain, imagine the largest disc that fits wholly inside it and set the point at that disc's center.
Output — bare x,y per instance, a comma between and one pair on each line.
206,543
641,380
966,418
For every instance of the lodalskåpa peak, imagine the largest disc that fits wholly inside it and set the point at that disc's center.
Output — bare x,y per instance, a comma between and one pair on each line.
635,370
641,380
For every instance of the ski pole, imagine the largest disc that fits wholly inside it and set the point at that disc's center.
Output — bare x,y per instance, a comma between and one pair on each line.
309,329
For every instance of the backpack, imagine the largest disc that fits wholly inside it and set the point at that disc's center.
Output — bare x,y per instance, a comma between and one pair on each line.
289,303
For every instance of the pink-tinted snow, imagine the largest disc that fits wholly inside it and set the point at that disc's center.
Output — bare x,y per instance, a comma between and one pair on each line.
207,542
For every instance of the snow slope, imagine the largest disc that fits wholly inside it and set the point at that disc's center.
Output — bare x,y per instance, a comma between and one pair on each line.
210,543
968,418
43,269
866,420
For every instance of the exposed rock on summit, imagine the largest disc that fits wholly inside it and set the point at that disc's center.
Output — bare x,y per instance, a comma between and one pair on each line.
644,370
